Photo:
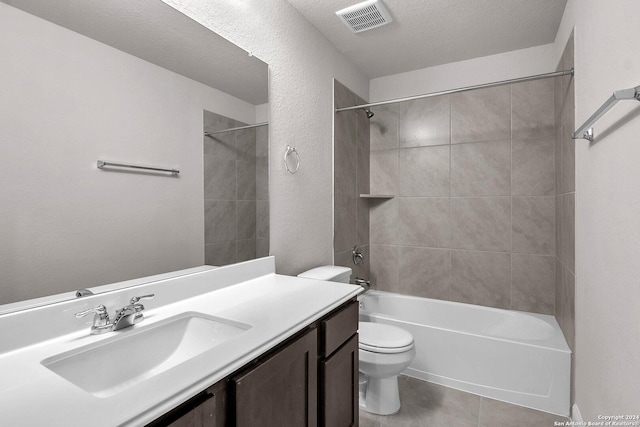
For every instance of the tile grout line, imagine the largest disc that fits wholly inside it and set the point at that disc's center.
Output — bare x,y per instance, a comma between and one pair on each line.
450,193
510,204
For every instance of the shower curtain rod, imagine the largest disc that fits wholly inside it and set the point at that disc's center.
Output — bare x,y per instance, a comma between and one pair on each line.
238,128
462,89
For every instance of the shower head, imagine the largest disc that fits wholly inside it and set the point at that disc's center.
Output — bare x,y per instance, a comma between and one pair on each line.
369,113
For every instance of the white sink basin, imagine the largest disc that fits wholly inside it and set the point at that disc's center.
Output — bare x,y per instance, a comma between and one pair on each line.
132,356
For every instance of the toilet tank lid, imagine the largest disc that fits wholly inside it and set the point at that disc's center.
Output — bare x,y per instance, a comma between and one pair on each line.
327,272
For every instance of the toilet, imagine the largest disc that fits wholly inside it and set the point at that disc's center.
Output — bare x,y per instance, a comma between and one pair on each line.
384,352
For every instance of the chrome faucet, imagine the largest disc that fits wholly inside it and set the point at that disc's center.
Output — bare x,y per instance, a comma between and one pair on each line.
356,255
363,282
127,316
100,320
130,314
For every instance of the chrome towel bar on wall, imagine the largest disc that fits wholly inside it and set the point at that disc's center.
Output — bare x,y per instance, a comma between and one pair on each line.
102,164
586,130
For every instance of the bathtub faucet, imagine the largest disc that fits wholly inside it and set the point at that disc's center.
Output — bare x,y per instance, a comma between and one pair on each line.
356,255
364,283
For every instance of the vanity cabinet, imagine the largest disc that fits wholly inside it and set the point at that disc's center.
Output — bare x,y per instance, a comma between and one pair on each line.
338,368
310,380
282,390
206,409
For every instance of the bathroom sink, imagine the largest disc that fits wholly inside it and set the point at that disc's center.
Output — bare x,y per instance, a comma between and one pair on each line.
132,356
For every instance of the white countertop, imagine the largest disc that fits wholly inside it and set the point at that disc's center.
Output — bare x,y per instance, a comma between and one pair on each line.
275,306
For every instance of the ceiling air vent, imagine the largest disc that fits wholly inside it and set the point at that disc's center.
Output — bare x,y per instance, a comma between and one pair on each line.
364,16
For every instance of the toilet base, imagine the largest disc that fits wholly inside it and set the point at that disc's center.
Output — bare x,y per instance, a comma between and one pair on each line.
381,396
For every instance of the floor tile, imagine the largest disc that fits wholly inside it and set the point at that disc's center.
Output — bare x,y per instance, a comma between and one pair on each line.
426,404
495,413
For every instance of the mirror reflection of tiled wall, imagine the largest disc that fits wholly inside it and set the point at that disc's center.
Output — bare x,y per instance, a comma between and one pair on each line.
236,191
351,178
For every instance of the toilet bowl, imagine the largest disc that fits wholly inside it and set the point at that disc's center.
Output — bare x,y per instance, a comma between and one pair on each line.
384,351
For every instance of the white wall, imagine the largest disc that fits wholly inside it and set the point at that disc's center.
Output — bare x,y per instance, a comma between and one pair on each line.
262,113
66,102
487,69
302,65
607,212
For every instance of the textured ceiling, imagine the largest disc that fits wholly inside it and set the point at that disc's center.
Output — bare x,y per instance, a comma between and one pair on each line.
157,33
425,33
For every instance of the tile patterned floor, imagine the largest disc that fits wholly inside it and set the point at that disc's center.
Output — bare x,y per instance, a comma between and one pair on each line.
430,405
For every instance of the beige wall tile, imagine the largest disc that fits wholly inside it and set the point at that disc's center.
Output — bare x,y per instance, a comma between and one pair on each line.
384,267
481,169
424,122
219,178
384,172
424,222
481,115
219,221
532,109
245,250
345,168
424,272
345,121
221,144
533,220
246,225
533,283
481,223
344,235
219,254
481,278
533,167
424,171
383,221
383,127
246,181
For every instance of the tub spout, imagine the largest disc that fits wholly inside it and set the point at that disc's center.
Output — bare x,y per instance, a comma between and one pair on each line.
364,283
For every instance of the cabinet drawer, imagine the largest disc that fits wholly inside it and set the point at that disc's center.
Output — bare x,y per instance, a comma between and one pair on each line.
338,328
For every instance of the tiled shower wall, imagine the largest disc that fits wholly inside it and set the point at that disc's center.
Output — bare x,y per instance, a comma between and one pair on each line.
565,201
473,217
236,192
351,178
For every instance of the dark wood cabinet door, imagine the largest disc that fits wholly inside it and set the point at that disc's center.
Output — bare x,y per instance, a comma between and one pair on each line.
339,387
282,390
207,409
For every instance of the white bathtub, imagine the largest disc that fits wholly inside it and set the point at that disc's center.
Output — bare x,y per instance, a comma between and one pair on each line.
513,356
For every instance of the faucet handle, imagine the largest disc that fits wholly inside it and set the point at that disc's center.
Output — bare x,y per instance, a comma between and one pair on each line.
100,320
136,299
100,311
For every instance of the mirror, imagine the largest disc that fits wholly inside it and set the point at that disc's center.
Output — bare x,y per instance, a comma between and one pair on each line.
127,82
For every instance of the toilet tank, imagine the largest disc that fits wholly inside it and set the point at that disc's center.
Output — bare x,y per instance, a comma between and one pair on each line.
331,273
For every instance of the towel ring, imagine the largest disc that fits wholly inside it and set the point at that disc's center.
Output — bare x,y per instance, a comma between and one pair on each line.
290,150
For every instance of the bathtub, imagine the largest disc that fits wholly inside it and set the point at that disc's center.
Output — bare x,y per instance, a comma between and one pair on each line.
512,356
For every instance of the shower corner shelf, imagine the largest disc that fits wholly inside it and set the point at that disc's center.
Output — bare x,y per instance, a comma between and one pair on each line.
377,196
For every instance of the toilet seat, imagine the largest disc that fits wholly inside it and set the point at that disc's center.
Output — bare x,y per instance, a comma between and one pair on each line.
381,338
